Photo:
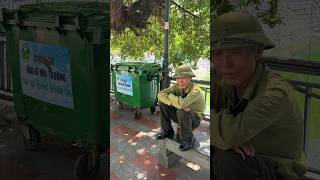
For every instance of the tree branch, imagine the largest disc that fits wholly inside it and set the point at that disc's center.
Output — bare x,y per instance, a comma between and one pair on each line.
183,9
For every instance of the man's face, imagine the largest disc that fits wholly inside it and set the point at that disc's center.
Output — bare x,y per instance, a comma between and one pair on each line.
236,65
183,82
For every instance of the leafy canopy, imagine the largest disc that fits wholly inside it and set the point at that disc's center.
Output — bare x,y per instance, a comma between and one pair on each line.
188,36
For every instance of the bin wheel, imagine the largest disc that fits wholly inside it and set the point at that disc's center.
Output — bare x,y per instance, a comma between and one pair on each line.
152,109
119,105
137,114
82,170
31,137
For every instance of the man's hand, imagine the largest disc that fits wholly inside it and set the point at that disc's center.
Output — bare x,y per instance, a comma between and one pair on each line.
187,109
246,149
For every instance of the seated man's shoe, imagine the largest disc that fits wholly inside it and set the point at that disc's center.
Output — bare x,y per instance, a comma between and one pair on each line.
165,133
186,144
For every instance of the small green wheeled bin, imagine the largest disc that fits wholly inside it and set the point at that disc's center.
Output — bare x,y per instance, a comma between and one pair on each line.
136,84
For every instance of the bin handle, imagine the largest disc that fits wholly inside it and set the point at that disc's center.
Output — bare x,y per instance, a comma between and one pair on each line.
17,17
74,17
135,69
113,67
150,76
76,21
58,24
2,11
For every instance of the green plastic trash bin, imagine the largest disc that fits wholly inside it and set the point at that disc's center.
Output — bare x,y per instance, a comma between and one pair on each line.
58,56
136,84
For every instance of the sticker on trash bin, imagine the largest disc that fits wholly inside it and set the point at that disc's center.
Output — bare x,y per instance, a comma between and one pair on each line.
124,84
45,73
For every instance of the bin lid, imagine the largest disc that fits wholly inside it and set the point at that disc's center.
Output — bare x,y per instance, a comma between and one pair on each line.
138,66
85,16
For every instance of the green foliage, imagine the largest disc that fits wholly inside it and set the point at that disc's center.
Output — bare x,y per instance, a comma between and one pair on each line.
267,14
188,36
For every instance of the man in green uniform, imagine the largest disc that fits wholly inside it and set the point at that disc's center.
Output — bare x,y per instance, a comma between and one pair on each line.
257,129
184,104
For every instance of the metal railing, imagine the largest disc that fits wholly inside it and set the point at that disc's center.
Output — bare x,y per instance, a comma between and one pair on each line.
306,68
5,74
205,86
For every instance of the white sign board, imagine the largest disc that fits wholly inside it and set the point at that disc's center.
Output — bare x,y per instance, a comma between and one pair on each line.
124,84
45,73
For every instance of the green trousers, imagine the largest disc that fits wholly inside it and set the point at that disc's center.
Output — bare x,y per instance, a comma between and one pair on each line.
187,120
230,165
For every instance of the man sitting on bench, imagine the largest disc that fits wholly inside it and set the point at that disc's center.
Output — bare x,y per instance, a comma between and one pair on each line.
184,104
257,127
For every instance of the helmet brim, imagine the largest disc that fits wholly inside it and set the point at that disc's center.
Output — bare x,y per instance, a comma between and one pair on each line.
248,40
184,75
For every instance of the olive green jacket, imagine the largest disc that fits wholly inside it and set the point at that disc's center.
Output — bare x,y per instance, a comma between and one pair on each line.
191,98
267,116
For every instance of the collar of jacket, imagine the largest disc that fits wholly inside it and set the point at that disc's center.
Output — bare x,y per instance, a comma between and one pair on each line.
189,88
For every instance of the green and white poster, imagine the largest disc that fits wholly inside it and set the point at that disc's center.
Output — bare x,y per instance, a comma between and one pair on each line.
124,84
45,73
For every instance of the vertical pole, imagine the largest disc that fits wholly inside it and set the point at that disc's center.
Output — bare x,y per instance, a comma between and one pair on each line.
307,109
166,80
2,59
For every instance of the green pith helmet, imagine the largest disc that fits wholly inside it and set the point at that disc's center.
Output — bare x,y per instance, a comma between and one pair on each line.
183,70
239,29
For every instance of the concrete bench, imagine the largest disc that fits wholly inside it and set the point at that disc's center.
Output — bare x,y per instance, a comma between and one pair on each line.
200,154
311,176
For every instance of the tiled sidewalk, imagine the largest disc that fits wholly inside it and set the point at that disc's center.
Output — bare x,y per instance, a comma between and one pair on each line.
135,151
133,154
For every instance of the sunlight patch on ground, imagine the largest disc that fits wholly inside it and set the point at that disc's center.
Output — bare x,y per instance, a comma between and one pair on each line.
193,166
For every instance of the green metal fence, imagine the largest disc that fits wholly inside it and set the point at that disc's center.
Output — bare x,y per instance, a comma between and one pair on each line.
303,75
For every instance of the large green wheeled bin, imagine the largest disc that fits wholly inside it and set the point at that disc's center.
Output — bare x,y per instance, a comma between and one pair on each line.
58,53
136,84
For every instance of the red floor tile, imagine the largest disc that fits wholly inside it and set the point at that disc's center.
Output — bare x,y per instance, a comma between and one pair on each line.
114,115
113,177
110,150
150,164
153,124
